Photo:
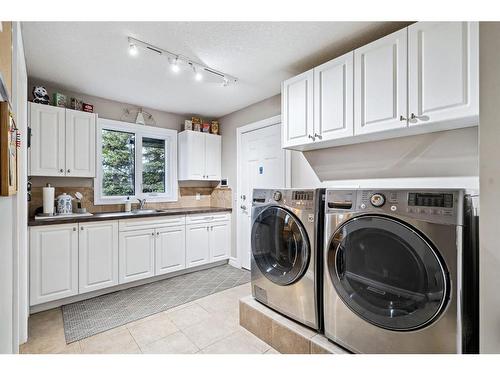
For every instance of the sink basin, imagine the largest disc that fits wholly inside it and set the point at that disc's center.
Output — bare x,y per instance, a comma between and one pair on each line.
145,211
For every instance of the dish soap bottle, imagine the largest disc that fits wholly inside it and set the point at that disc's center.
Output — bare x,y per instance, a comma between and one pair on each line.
128,205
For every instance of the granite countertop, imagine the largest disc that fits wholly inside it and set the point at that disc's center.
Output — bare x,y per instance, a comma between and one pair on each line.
101,216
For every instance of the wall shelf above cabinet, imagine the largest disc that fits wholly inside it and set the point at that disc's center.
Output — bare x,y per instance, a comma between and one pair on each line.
420,79
199,156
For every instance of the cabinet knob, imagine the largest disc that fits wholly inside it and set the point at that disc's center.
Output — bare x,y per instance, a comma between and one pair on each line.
157,233
319,136
153,234
415,117
61,170
69,171
74,229
310,136
402,118
81,228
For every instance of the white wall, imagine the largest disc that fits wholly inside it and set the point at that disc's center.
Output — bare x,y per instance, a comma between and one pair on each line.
489,156
7,230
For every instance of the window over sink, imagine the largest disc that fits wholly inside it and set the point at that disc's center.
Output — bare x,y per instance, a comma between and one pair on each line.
135,161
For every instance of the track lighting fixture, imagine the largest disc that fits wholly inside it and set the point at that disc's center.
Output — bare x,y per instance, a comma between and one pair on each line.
174,65
132,49
177,62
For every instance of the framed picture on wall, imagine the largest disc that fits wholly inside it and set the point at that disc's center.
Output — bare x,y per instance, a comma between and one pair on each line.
8,151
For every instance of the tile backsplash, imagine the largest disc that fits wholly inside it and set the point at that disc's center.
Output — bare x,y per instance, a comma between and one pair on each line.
209,197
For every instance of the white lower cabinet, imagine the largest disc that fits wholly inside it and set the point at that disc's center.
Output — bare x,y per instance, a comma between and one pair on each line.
98,255
53,262
136,255
197,244
170,249
220,239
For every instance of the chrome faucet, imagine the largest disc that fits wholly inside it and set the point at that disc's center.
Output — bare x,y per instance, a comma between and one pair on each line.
141,203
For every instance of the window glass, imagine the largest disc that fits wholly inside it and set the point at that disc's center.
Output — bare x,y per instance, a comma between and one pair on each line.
118,163
153,165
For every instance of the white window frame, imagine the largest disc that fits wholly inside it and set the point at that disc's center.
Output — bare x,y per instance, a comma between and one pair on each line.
140,131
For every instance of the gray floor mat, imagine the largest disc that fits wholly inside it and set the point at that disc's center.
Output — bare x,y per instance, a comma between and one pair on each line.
95,315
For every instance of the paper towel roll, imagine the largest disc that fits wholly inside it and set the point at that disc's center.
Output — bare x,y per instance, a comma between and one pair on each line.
48,200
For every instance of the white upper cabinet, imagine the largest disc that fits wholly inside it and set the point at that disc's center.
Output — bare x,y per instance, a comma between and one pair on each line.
443,72
48,132
380,84
62,142
98,255
199,156
53,262
80,143
297,110
333,98
212,156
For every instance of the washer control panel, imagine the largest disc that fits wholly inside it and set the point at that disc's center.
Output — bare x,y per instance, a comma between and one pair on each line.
441,206
300,199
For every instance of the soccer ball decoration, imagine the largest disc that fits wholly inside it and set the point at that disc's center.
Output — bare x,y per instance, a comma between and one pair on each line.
40,95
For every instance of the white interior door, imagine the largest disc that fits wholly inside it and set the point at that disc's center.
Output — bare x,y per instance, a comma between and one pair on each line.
262,165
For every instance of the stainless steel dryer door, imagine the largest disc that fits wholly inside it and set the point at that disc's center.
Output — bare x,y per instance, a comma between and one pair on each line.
387,273
280,246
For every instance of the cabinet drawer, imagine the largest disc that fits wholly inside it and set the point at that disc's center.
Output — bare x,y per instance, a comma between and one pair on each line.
153,222
208,217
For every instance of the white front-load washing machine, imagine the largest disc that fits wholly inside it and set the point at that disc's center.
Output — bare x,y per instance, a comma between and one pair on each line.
286,239
400,271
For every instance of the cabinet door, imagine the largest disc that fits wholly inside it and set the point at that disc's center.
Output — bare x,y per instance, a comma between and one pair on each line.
47,151
219,241
380,73
80,143
212,156
297,110
136,255
98,255
443,71
53,262
333,98
191,155
170,249
197,245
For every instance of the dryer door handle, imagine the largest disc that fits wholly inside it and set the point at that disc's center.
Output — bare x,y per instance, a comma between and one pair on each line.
340,262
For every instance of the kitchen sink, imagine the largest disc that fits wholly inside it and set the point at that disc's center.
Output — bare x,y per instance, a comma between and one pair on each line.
145,211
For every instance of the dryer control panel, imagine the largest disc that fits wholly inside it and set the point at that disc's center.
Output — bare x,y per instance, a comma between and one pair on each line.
439,206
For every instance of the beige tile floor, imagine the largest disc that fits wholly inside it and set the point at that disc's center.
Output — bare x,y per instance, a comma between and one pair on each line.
208,325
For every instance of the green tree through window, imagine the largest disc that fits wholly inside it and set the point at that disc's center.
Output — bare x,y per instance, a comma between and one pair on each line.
118,163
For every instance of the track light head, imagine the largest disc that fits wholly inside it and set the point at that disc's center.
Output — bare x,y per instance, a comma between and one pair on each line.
197,74
132,49
174,65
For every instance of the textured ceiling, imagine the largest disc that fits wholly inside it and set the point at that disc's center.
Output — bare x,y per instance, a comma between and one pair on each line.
92,58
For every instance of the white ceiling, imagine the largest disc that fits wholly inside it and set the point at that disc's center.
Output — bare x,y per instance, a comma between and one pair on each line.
92,58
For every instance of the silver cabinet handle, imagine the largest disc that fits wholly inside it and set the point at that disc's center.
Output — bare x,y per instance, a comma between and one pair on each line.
319,136
243,207
74,229
402,118
415,117
310,136
81,228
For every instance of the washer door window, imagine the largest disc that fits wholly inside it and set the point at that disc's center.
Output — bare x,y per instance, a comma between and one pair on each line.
280,246
387,273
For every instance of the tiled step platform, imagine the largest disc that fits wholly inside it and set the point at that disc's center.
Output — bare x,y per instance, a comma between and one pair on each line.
283,334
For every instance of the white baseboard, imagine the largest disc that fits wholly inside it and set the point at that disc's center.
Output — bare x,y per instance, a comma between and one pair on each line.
234,262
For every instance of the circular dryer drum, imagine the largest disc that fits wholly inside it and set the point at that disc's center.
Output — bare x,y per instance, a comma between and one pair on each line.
280,246
387,273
